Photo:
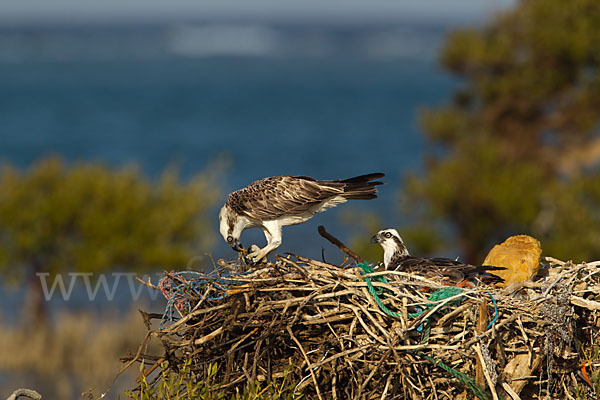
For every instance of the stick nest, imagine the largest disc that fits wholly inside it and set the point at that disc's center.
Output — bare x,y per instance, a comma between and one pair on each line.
320,325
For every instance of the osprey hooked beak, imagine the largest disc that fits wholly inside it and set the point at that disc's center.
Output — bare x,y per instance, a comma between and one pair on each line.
376,238
234,243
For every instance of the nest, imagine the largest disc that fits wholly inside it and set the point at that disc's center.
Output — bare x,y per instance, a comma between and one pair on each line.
344,332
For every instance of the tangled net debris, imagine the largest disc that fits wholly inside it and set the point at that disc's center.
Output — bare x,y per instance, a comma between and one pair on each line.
347,332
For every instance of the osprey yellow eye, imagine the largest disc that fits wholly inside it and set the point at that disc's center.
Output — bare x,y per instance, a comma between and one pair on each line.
229,239
387,235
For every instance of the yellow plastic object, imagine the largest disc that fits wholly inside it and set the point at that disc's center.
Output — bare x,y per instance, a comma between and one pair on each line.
520,255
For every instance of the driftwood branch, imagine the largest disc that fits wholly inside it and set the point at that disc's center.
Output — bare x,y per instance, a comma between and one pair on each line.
339,244
28,393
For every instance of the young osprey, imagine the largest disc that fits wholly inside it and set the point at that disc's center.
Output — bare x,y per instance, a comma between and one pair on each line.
271,203
396,257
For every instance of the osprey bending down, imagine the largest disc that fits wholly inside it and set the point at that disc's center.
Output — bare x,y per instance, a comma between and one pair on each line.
271,203
396,257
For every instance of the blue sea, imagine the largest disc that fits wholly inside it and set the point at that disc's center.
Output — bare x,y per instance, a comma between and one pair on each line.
325,101
328,101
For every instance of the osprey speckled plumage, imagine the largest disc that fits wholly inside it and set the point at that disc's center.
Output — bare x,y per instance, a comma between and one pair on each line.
274,202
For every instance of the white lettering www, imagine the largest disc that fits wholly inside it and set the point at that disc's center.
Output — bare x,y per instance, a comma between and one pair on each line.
92,293
101,282
58,281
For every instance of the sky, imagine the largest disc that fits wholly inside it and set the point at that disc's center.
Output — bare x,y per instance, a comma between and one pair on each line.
81,11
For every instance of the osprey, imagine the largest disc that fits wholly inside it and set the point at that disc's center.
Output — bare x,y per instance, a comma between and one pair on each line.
396,257
271,203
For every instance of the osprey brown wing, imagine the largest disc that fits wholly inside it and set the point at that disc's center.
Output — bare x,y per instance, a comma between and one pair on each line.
277,196
453,269
429,266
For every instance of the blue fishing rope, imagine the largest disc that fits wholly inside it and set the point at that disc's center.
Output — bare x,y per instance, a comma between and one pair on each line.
179,288
495,311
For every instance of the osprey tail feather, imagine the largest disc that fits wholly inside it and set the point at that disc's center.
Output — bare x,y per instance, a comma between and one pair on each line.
361,187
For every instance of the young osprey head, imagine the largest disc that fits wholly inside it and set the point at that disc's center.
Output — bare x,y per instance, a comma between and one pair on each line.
231,227
393,246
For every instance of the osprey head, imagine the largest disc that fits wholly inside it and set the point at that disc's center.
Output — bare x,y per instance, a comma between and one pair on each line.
229,227
388,238
392,244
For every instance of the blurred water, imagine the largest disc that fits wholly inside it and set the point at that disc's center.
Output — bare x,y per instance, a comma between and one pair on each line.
325,102
329,102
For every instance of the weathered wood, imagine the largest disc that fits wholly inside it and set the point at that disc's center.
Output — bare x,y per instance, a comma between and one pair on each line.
30,394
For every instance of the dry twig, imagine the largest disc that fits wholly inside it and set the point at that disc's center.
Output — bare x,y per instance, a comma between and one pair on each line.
322,321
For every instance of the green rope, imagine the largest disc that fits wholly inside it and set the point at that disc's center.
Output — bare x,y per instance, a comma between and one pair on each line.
367,269
439,295
434,298
464,379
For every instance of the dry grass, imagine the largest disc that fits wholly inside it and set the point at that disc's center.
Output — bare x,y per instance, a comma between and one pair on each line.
77,353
